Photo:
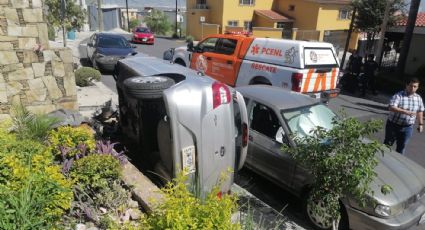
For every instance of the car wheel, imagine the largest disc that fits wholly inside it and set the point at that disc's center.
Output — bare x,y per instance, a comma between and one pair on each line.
317,215
180,62
149,87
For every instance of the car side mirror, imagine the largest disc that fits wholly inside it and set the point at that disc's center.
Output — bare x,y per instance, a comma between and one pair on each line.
190,46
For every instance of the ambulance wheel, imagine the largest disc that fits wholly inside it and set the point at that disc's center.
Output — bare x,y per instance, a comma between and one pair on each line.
149,87
180,62
260,81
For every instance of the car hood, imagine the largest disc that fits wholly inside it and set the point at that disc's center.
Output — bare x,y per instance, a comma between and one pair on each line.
115,51
143,35
406,178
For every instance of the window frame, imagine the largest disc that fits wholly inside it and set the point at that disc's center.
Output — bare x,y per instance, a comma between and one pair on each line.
243,2
347,14
249,23
219,48
229,23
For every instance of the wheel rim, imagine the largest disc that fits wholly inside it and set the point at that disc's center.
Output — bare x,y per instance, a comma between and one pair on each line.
318,215
149,80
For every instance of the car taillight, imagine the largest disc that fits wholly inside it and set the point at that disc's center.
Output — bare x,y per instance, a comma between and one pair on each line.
244,134
221,94
296,80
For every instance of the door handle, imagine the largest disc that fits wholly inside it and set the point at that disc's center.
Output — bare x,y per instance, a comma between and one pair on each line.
229,62
209,58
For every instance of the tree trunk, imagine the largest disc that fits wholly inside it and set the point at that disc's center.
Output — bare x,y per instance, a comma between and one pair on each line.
408,34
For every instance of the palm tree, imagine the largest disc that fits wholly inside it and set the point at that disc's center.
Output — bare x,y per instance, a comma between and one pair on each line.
408,34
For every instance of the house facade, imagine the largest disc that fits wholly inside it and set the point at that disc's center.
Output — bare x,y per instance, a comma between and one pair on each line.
322,20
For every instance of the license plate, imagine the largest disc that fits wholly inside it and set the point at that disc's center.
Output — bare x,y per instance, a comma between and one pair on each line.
188,159
144,39
316,95
422,220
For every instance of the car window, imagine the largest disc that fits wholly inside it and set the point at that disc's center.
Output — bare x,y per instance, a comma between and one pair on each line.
113,42
303,120
264,120
142,30
226,46
208,45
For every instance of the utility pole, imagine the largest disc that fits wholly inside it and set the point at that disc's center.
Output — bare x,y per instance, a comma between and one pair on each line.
378,52
175,30
347,42
100,15
128,19
408,34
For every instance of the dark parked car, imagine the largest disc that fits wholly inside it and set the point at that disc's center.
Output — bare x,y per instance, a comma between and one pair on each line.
105,49
143,35
275,113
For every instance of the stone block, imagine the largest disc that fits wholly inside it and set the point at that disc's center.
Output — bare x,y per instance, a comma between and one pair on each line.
6,45
52,87
49,55
30,56
27,43
43,35
36,4
33,15
69,85
11,16
4,2
8,38
37,92
3,93
8,57
39,69
66,56
20,3
58,69
70,105
5,117
16,100
11,67
41,109
1,78
14,31
21,74
30,31
13,88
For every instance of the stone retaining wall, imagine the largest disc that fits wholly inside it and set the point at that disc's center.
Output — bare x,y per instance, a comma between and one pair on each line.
31,74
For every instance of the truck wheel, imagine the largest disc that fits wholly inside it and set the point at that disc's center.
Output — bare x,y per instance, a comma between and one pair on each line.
180,62
149,87
260,81
319,218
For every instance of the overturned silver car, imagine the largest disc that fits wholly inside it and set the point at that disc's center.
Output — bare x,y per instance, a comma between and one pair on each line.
181,120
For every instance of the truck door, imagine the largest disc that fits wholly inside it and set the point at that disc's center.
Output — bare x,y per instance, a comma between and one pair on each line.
224,62
201,57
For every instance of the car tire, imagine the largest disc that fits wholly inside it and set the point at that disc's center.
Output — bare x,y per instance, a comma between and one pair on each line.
149,87
318,221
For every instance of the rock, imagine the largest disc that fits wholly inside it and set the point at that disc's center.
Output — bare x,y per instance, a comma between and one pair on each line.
41,109
1,78
6,46
20,3
11,16
37,90
69,85
14,31
36,4
5,116
58,69
39,69
66,56
80,227
135,214
52,87
103,210
133,204
11,67
3,93
21,74
43,35
30,57
4,2
125,217
71,118
30,30
27,43
8,57
13,88
33,15
49,55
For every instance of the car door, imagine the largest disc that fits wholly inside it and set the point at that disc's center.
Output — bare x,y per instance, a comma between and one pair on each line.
91,46
264,151
201,57
224,62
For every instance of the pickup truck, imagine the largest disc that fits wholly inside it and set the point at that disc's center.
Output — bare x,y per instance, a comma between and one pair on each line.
236,60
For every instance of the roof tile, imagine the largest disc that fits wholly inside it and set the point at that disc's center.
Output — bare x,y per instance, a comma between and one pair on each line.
420,20
273,15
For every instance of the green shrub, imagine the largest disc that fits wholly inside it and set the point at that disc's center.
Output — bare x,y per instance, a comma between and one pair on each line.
70,141
32,126
182,210
33,192
189,38
84,76
96,171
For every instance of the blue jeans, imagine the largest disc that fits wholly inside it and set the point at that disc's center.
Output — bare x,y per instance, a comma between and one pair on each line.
398,133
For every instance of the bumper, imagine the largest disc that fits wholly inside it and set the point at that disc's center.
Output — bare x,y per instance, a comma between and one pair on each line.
107,66
325,95
408,219
144,40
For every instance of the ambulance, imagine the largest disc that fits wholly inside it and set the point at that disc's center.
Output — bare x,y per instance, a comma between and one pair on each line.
301,66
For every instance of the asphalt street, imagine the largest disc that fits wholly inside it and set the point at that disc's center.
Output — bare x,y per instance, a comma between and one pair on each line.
371,107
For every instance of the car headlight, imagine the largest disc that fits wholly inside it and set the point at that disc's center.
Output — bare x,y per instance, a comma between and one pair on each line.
383,210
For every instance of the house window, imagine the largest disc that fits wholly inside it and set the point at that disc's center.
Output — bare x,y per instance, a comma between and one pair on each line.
233,23
280,25
344,14
291,8
247,25
246,2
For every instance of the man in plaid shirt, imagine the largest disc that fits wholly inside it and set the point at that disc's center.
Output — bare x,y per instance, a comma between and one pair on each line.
405,107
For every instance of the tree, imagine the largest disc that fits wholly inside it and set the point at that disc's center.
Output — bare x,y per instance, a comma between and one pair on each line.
340,160
370,14
158,22
74,14
411,22
134,22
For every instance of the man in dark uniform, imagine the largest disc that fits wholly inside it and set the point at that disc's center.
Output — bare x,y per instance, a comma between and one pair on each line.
370,67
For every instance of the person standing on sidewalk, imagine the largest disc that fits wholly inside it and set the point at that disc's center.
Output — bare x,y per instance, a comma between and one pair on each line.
370,67
405,107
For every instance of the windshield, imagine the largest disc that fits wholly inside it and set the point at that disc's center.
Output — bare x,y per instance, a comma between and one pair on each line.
113,42
305,119
143,30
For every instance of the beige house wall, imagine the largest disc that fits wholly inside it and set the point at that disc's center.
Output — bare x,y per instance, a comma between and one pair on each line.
265,32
